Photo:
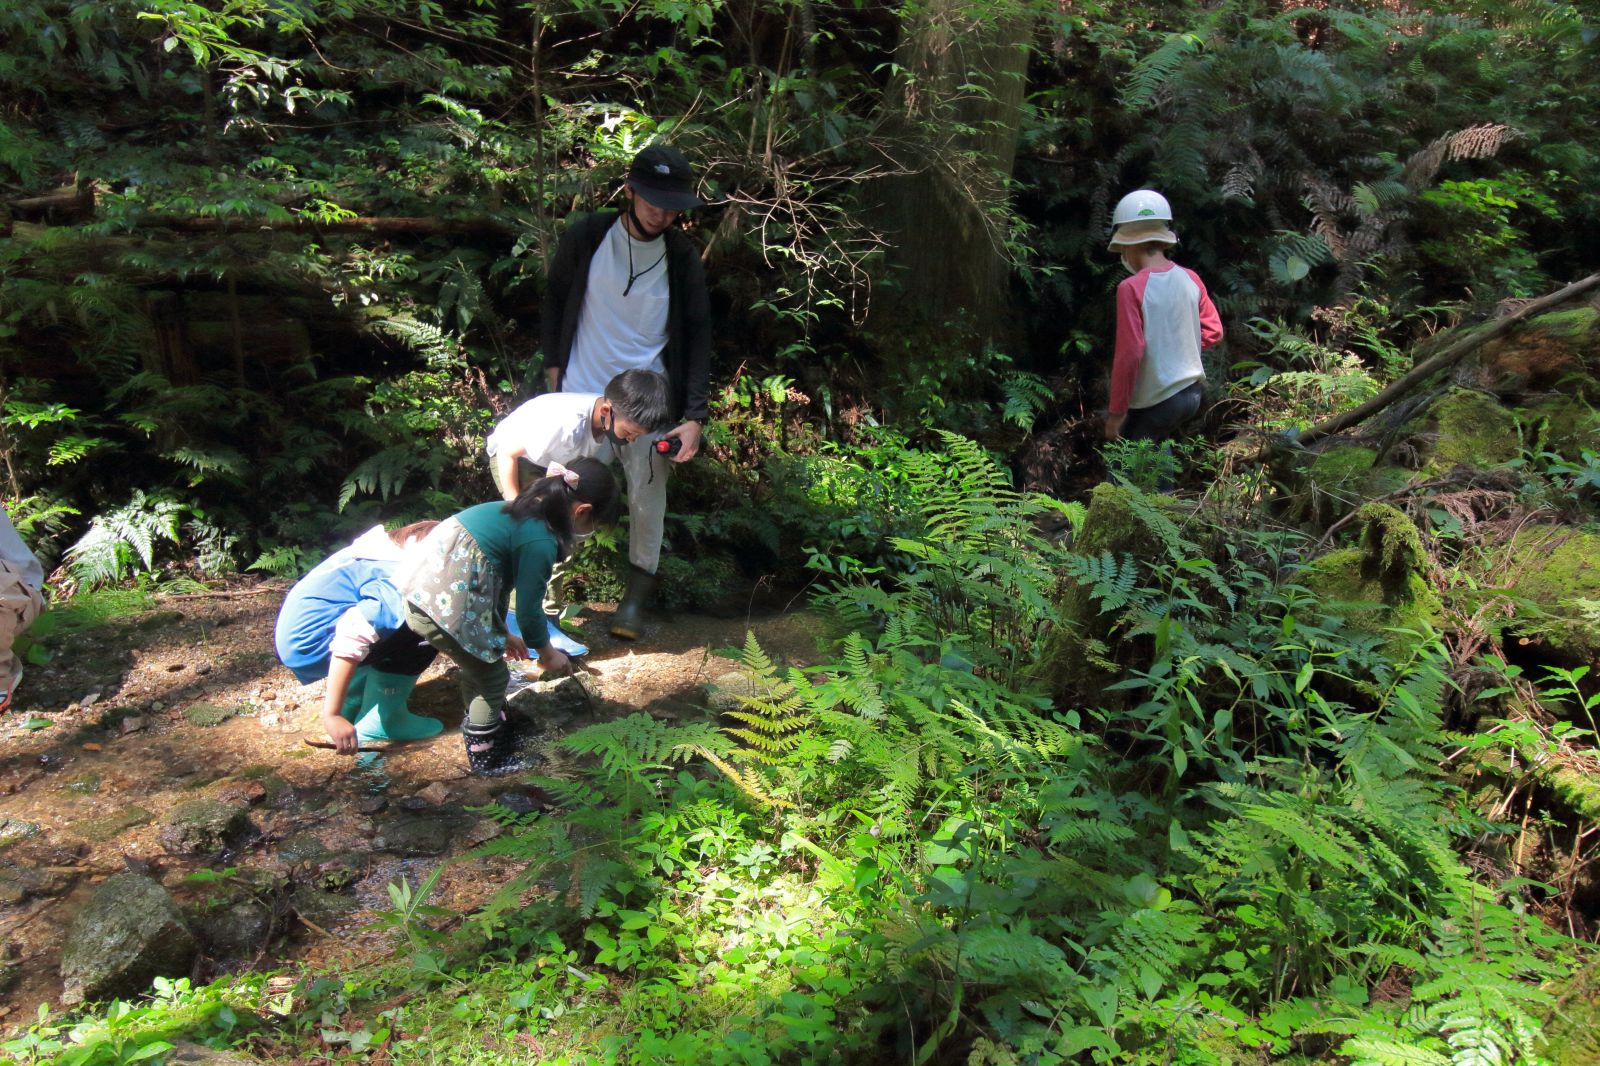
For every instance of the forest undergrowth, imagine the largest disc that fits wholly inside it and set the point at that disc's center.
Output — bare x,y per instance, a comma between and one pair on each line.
1266,838
1284,768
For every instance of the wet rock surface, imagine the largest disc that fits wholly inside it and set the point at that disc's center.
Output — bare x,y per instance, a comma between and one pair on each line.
426,832
203,826
129,933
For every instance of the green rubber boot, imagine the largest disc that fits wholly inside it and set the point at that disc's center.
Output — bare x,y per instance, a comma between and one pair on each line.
387,717
355,697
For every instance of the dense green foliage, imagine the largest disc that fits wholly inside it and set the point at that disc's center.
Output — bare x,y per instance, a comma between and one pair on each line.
1116,780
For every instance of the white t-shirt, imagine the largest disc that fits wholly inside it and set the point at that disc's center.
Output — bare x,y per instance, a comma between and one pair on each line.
617,332
554,427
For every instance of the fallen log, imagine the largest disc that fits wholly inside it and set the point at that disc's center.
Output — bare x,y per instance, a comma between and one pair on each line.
74,201
426,227
1451,354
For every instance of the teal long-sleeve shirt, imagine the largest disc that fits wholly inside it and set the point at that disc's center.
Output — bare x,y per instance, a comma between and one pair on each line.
524,552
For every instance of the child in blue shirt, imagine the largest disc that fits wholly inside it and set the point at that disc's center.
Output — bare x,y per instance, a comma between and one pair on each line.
345,621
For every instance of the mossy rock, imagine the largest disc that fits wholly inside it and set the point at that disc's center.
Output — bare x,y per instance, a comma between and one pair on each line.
1558,569
1563,425
1386,479
1377,585
1333,483
1473,431
277,788
323,908
1121,521
1336,579
129,932
202,825
208,714
13,830
1560,349
109,826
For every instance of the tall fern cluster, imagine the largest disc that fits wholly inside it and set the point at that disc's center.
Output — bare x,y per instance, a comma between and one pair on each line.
1250,852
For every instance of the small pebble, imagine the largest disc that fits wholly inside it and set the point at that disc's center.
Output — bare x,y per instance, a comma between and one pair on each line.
158,706
414,803
203,668
174,668
371,804
90,699
269,720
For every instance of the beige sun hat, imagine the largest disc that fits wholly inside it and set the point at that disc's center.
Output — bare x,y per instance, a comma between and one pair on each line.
1142,232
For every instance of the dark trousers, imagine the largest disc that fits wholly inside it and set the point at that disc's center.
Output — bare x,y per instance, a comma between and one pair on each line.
483,685
1159,422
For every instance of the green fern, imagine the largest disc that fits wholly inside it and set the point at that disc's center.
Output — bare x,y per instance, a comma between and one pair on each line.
1111,579
439,349
1025,396
637,745
774,720
283,560
383,475
119,538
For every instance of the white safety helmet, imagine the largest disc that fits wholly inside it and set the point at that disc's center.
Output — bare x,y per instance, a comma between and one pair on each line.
1142,205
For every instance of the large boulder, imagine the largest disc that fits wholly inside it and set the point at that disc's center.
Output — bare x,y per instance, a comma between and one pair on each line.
1557,568
1557,351
1121,521
129,933
1473,430
1561,425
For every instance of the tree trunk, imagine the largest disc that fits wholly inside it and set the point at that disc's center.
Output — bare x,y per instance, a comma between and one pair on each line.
955,116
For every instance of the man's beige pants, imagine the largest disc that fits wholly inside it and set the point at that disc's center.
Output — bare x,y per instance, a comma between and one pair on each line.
20,604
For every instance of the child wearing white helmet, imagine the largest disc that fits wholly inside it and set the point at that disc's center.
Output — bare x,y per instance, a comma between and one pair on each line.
1165,318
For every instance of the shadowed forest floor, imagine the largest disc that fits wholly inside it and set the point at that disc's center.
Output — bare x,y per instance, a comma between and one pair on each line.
187,701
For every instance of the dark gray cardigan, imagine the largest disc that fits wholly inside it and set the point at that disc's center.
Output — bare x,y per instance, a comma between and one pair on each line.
688,351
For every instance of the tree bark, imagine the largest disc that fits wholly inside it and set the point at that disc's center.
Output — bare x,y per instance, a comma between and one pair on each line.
956,116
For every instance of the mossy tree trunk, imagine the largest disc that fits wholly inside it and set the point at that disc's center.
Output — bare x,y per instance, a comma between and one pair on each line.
955,109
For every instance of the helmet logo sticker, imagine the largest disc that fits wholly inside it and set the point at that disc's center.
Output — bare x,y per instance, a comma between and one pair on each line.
1146,211
662,168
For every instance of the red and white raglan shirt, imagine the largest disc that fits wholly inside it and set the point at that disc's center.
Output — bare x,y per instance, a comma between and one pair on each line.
1164,319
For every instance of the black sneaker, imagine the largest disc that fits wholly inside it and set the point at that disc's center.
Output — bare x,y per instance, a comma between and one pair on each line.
492,752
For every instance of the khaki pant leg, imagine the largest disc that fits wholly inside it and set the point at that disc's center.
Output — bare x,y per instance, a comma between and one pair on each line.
20,604
646,474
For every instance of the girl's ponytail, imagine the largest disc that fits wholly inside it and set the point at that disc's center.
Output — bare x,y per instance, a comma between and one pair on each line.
551,498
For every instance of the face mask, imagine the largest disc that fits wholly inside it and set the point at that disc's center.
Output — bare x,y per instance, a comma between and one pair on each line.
610,430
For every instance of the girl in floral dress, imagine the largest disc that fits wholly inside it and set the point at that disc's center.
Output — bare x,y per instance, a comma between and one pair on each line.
457,590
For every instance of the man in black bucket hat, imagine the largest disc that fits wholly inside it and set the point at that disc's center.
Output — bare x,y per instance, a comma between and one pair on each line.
626,291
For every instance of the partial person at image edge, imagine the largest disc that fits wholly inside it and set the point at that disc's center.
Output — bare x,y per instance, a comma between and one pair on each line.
21,600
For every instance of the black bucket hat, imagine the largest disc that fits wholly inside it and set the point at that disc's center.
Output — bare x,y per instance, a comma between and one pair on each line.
664,178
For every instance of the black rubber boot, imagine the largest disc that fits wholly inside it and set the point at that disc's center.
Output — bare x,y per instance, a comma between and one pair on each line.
628,621
492,751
